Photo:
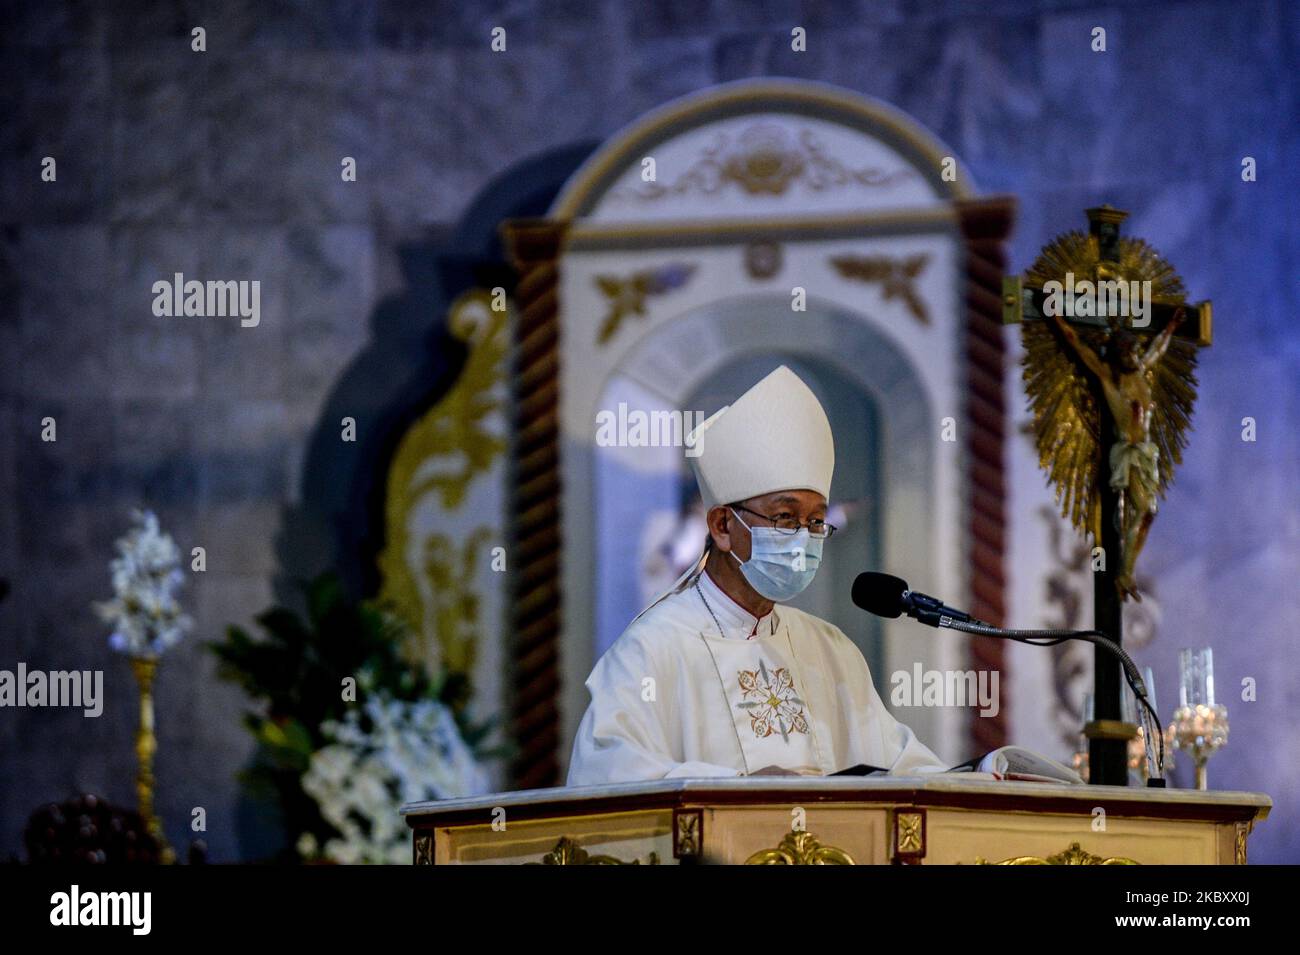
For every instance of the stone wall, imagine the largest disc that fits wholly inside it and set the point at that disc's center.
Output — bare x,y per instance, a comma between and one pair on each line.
225,164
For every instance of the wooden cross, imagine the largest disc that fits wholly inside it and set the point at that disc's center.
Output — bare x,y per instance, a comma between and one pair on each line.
1025,302
1104,300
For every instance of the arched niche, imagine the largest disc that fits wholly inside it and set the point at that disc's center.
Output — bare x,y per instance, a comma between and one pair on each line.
858,373
764,193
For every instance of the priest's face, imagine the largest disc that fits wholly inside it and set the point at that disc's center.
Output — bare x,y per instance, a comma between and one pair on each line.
730,534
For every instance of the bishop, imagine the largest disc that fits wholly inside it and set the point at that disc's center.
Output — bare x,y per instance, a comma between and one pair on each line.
719,676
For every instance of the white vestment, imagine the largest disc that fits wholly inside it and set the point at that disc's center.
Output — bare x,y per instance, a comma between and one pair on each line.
680,694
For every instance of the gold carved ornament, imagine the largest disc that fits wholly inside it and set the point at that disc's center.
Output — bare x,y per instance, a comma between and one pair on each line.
627,296
423,849
910,832
800,848
1074,855
1243,832
896,277
764,160
688,833
568,852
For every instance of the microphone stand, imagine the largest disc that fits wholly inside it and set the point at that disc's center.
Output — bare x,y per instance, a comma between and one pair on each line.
1050,638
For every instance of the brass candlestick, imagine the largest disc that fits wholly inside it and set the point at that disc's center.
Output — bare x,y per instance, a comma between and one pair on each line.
146,744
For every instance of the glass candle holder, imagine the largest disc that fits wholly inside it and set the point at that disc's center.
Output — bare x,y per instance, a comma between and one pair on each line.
1200,724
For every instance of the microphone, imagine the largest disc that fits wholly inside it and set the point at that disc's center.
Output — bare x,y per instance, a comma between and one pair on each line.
887,596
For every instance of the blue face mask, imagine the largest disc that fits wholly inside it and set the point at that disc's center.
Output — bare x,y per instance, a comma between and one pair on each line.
780,565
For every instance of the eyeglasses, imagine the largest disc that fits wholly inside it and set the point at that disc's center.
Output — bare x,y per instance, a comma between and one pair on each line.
790,525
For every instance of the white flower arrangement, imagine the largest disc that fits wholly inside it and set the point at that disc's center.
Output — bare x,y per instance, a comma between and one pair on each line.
145,613
413,751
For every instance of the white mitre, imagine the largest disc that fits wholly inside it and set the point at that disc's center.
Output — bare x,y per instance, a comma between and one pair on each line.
774,437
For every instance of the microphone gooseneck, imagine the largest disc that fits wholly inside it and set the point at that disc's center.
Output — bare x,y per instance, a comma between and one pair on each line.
888,596
1050,638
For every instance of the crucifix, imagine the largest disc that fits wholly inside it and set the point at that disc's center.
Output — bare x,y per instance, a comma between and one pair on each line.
1109,369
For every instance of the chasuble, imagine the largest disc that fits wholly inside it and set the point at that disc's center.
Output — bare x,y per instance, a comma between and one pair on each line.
697,687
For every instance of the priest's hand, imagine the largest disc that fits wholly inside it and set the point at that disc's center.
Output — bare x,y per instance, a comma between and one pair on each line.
774,771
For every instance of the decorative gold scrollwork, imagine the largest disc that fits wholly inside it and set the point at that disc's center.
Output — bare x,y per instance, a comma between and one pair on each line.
800,848
423,848
896,277
568,852
429,565
627,295
765,159
688,833
1071,856
911,832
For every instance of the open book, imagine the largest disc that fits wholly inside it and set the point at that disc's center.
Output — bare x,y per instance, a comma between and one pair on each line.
1016,762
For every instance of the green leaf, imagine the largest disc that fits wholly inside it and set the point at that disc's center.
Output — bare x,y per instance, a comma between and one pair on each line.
298,737
324,595
295,667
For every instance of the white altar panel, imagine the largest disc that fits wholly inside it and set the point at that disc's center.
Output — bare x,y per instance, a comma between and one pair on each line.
665,285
